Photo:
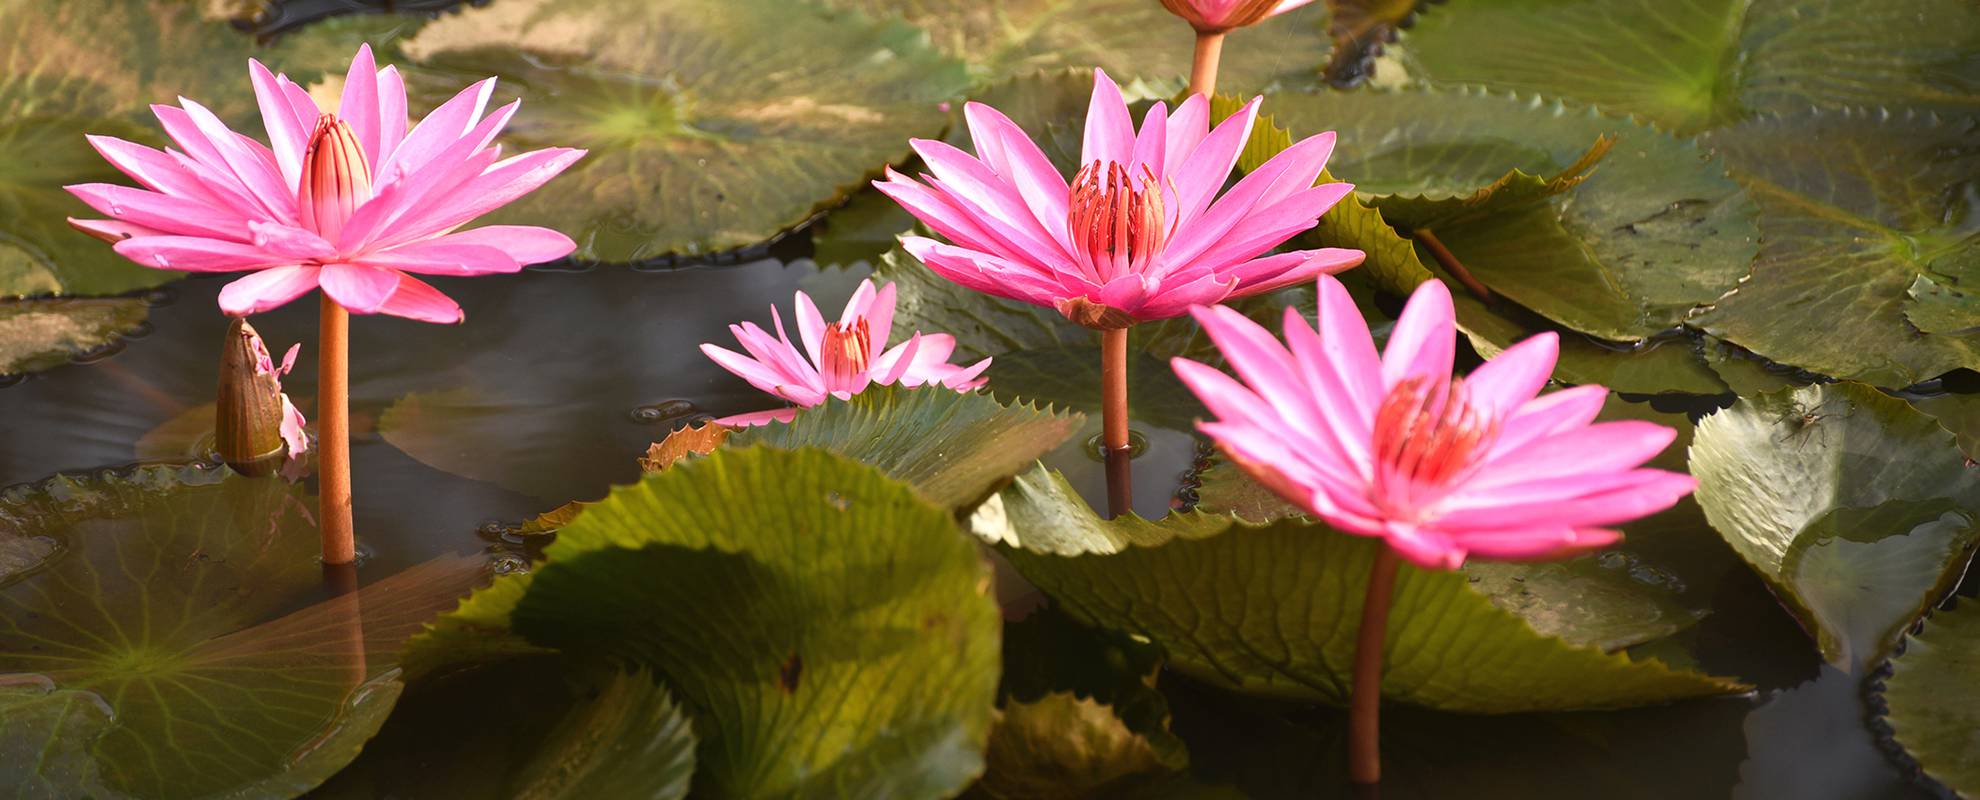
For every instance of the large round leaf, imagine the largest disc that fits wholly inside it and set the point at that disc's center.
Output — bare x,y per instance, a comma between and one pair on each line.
1656,230
1934,705
40,334
1128,38
1858,211
711,126
827,628
1273,610
1690,66
1858,510
170,648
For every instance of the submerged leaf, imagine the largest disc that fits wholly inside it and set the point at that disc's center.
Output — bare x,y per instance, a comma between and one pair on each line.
625,738
42,334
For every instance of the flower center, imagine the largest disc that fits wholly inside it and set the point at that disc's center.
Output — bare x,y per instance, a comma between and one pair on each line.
845,353
1115,219
1426,438
336,179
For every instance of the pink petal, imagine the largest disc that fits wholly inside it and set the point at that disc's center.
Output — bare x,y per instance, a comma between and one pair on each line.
262,179
996,205
439,257
938,211
810,325
446,125
288,135
1535,545
161,211
1425,338
292,429
415,299
984,272
1344,360
1211,162
1109,134
1599,448
880,318
289,358
360,290
856,305
1006,149
1580,501
155,170
1275,272
502,183
1503,384
758,374
1264,228
1186,128
1151,144
759,418
359,104
525,244
391,113
897,366
197,254
1427,549
267,289
294,244
1565,410
111,230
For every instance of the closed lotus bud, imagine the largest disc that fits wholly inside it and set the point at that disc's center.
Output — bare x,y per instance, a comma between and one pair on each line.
1219,16
251,411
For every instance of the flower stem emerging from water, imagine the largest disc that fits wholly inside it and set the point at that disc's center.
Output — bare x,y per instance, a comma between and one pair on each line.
1114,420
333,401
1365,701
1203,72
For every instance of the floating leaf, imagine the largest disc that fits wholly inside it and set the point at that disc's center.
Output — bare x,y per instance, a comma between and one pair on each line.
710,126
953,448
1858,510
1128,38
174,618
1272,610
472,635
861,231
1361,29
625,738
783,596
1062,747
1047,655
1959,413
42,334
1855,208
1655,230
1694,65
1934,707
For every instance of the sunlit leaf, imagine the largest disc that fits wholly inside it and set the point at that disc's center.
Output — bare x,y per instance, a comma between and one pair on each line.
1934,707
1858,510
41,334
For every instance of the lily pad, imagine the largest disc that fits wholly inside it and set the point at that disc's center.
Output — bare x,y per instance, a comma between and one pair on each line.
953,448
1856,206
1656,230
1048,656
42,334
1695,65
181,614
1959,413
1858,511
1934,705
783,596
625,738
1127,38
711,126
1272,610
1362,29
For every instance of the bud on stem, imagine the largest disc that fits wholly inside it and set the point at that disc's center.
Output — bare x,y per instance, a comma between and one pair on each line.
248,409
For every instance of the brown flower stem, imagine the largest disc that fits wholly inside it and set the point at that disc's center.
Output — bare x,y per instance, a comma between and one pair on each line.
1203,72
1451,264
1365,701
1114,420
333,408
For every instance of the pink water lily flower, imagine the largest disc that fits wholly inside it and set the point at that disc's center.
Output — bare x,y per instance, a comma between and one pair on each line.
1218,16
1140,233
839,359
1393,446
292,419
349,201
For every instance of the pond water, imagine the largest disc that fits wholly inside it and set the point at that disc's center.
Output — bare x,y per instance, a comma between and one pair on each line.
562,377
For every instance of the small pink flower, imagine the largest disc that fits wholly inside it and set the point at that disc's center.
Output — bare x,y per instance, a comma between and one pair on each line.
1136,236
1393,446
839,359
350,201
1218,16
292,418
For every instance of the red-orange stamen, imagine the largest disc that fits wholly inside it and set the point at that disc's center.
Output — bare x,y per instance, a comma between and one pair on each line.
1116,222
1425,439
846,352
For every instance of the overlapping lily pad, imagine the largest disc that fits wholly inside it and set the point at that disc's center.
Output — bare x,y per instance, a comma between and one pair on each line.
1934,706
1127,38
1272,610
40,334
1859,511
1691,66
783,596
173,646
710,126
1858,210
625,738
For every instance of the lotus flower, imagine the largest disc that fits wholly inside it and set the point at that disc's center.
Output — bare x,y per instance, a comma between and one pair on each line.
1393,446
840,359
1219,16
1140,233
349,201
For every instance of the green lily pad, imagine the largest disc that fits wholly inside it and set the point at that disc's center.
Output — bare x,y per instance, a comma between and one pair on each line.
1127,38
625,738
710,126
42,334
1934,706
1048,656
1272,610
1696,65
474,634
1857,510
783,596
860,232
1959,413
1362,29
1855,207
1656,230
1062,747
951,447
180,616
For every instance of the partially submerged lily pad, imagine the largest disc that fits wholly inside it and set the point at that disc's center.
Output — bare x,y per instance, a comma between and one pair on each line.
1856,208
711,126
625,738
1934,705
1271,610
182,614
42,334
782,596
1859,511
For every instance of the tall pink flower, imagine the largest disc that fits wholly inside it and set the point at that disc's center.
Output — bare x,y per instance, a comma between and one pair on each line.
1218,16
1140,233
840,359
350,201
1393,446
